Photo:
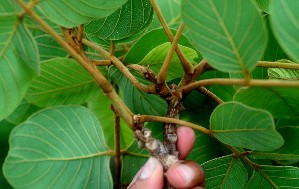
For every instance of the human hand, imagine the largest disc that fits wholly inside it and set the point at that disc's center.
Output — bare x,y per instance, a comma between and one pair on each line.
184,174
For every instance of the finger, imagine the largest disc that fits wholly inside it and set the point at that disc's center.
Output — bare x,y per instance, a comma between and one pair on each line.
186,138
186,174
150,176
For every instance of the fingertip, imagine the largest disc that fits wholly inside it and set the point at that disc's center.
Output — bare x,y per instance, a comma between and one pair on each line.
185,175
150,176
186,139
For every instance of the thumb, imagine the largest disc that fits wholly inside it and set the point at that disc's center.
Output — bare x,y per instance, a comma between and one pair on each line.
150,176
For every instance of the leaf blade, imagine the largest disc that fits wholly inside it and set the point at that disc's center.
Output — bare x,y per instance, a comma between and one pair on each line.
238,125
227,39
57,145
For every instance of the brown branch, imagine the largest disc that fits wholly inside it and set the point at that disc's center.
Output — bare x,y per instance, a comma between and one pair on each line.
121,67
211,95
161,77
107,88
198,70
150,118
187,66
117,147
252,83
267,64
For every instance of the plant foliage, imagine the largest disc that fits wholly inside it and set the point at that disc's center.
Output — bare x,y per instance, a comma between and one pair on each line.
70,69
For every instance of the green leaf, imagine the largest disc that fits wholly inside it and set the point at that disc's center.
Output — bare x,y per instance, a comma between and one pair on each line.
18,62
274,177
60,147
139,102
155,58
231,35
9,6
62,81
72,13
269,98
129,20
22,112
281,73
242,126
273,51
225,172
48,47
289,151
101,107
284,21
142,47
264,5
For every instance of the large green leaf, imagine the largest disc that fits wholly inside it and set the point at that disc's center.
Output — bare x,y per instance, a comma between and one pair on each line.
231,35
274,177
269,98
289,151
225,172
72,13
242,126
155,59
129,20
139,102
59,147
284,21
62,81
101,107
18,62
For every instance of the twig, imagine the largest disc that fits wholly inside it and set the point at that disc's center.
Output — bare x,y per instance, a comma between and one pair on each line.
161,78
252,83
107,88
211,95
267,64
121,67
187,66
117,147
198,70
150,118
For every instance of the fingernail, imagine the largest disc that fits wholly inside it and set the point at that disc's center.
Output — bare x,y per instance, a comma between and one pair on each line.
186,172
149,168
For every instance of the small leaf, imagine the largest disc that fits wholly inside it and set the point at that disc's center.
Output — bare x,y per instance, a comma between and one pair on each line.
225,172
281,73
155,58
142,46
289,151
72,13
139,102
242,126
129,20
231,35
60,147
62,81
284,21
274,177
269,98
18,62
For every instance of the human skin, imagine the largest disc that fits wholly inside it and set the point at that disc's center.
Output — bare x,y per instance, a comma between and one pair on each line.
184,174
